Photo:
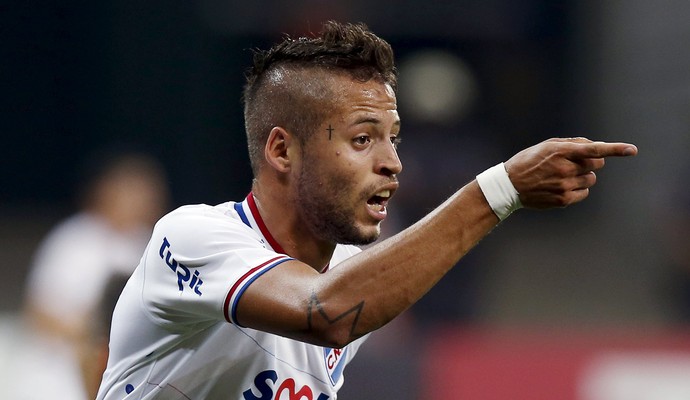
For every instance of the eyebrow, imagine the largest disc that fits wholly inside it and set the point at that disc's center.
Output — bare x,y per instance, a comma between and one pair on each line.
373,120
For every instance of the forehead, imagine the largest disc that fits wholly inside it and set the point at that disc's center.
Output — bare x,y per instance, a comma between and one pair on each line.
353,96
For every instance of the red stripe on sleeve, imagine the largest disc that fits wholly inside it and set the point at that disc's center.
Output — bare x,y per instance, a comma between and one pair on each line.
226,306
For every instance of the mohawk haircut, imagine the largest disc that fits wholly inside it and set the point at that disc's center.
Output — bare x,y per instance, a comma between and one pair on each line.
290,85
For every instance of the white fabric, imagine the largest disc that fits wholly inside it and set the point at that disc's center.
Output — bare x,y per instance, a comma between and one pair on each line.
499,191
75,262
171,338
36,367
71,269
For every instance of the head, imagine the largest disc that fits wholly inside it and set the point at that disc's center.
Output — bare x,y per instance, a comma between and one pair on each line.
290,85
128,189
312,97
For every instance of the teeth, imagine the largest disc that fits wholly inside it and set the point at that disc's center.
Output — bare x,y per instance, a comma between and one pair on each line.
376,207
384,193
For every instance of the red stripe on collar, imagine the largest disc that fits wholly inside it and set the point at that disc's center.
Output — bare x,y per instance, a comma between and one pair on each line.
262,226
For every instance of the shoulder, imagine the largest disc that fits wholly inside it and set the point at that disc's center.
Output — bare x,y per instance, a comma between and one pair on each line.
202,226
79,235
82,224
199,217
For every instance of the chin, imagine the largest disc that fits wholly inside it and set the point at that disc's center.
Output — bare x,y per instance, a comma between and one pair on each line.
366,236
360,241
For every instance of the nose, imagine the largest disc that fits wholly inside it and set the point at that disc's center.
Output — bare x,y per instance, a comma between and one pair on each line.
389,163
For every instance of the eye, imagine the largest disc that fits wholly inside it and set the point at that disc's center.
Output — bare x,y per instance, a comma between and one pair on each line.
396,140
362,140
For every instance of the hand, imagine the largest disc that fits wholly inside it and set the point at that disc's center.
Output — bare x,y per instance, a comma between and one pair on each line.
559,172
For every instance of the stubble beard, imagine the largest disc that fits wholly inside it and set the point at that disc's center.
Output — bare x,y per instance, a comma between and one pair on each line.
328,214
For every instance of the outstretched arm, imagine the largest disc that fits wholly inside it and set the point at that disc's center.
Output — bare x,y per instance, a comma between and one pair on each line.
368,290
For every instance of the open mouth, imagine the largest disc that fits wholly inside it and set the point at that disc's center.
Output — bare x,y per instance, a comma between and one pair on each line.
378,201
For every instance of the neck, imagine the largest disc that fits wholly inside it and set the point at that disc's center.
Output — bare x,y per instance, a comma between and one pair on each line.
282,219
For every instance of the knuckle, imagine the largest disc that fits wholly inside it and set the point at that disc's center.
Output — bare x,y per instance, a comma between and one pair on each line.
564,186
561,201
592,177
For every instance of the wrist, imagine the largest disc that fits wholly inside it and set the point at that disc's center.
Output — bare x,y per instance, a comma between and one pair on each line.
499,191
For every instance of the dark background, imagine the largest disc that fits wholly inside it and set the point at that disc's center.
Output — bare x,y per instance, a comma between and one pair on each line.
166,78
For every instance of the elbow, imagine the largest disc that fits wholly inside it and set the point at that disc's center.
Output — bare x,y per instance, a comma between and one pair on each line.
335,337
338,328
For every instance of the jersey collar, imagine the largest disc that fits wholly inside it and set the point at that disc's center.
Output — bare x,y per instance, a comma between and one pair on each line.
249,213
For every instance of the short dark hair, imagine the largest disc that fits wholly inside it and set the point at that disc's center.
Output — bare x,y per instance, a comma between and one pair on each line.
288,84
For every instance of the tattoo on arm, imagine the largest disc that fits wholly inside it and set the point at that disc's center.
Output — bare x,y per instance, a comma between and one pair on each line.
330,131
315,310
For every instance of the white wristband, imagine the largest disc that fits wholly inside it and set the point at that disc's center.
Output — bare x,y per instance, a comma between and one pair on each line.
499,191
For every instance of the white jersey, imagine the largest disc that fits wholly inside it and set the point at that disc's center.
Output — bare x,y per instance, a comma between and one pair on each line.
84,252
175,335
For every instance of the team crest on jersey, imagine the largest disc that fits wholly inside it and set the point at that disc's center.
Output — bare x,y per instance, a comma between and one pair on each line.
335,363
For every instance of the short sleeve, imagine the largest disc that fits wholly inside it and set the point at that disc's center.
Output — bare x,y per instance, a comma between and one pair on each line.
199,262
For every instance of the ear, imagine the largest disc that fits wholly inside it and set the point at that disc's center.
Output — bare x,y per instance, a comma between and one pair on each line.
279,149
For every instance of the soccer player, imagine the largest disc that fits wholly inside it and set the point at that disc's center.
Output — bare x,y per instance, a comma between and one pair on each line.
268,298
121,196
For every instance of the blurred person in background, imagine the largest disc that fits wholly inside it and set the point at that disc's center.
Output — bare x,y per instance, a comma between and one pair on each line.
80,268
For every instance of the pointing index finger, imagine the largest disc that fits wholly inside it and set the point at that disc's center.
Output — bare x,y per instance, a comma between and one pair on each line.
603,149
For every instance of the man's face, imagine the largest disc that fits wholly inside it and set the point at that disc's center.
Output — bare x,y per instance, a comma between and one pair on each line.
349,165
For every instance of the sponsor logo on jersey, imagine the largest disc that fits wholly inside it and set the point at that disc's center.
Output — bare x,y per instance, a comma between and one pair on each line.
185,276
335,363
268,386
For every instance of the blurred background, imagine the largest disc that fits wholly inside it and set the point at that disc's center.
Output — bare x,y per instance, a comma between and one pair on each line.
588,303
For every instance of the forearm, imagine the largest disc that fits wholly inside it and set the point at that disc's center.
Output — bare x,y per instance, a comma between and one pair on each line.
386,279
